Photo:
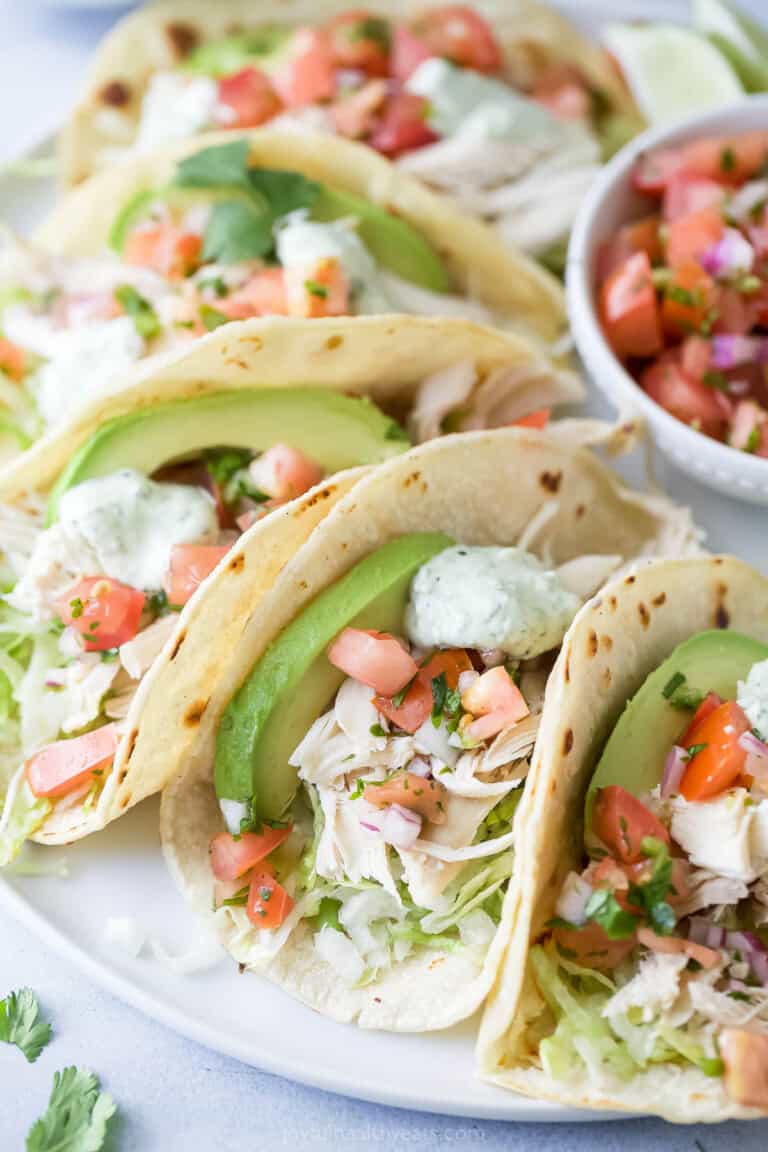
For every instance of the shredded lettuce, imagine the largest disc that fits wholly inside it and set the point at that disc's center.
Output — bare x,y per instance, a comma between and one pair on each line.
22,815
473,888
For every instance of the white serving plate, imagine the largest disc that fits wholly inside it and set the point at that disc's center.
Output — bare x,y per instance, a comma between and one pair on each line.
120,872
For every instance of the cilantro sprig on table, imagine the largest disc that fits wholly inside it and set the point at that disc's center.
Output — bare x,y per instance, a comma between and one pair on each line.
77,1115
22,1025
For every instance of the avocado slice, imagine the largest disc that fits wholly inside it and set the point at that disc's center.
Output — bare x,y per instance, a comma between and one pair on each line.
393,242
294,682
264,48
335,430
634,756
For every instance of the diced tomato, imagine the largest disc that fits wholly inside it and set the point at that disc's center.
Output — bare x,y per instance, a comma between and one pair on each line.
688,399
232,857
688,237
262,295
494,691
731,159
190,565
745,1055
689,299
721,759
12,360
408,51
654,170
165,249
61,767
708,705
684,195
283,473
735,312
640,236
316,290
105,612
561,89
409,790
621,822
417,703
628,309
591,947
250,98
695,356
308,76
268,902
354,115
377,659
677,946
403,126
360,40
539,418
461,35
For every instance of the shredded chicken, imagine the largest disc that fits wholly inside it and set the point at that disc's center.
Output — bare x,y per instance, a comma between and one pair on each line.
437,396
510,392
140,653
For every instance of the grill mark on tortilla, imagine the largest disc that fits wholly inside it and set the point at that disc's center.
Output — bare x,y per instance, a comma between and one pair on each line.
630,579
659,600
130,744
567,741
125,800
237,563
323,494
592,644
412,479
116,94
182,39
334,342
722,616
177,646
550,481
194,713
612,603
607,643
580,510
644,614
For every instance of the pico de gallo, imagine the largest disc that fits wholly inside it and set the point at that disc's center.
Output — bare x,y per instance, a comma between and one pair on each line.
659,949
430,91
683,290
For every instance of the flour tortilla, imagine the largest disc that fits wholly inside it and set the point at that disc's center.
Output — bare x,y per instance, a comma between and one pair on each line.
158,36
372,356
615,642
511,285
481,488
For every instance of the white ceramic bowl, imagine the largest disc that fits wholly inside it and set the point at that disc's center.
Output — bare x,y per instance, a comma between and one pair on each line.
611,203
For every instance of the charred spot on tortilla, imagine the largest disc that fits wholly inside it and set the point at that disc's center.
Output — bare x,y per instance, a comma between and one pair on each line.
553,786
182,39
567,741
130,744
412,479
630,579
644,614
125,800
592,644
116,94
550,481
580,510
323,494
607,642
612,603
303,585
237,563
659,600
237,362
257,341
177,646
194,713
606,677
334,342
722,616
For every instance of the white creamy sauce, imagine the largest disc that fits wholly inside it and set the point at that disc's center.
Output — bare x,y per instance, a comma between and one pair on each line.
752,696
175,107
465,102
132,523
302,242
472,597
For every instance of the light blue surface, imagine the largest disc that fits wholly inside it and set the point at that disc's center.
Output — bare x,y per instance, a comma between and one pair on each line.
173,1095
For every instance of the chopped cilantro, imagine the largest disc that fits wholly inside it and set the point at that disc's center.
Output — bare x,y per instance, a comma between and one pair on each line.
376,730
76,608
748,285
676,681
238,230
157,603
399,697
239,899
222,166
679,694
212,318
650,897
20,1023
439,694
727,159
109,655
605,910
680,295
77,1115
694,750
714,379
144,317
371,28
753,440
214,284
316,289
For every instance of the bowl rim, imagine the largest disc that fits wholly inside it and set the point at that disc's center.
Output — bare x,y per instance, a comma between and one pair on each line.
713,461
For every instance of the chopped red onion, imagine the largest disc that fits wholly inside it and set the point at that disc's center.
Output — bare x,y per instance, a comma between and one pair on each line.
370,827
673,771
400,827
752,950
733,255
730,350
754,745
703,931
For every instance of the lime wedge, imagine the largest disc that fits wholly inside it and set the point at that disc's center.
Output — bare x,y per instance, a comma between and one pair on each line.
671,71
742,41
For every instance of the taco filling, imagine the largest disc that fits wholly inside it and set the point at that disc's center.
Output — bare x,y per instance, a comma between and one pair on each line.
95,580
659,949
434,92
370,766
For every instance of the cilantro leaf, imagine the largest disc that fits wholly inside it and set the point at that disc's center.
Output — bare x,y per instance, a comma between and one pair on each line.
439,694
77,1115
212,318
222,166
144,317
238,230
20,1023
284,192
605,910
650,897
675,681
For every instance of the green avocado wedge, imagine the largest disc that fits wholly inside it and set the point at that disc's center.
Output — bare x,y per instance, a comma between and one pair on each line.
264,48
294,682
656,716
335,430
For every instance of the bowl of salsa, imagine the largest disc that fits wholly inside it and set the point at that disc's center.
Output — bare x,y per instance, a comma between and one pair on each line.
667,284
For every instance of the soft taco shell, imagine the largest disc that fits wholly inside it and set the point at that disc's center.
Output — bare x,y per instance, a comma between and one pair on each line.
511,285
160,36
482,488
615,642
372,356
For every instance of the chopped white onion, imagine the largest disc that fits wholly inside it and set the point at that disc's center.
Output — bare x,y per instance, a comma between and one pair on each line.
467,679
234,812
733,255
400,826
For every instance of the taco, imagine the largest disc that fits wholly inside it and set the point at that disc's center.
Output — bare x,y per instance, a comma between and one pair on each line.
637,974
346,814
502,104
156,254
109,528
